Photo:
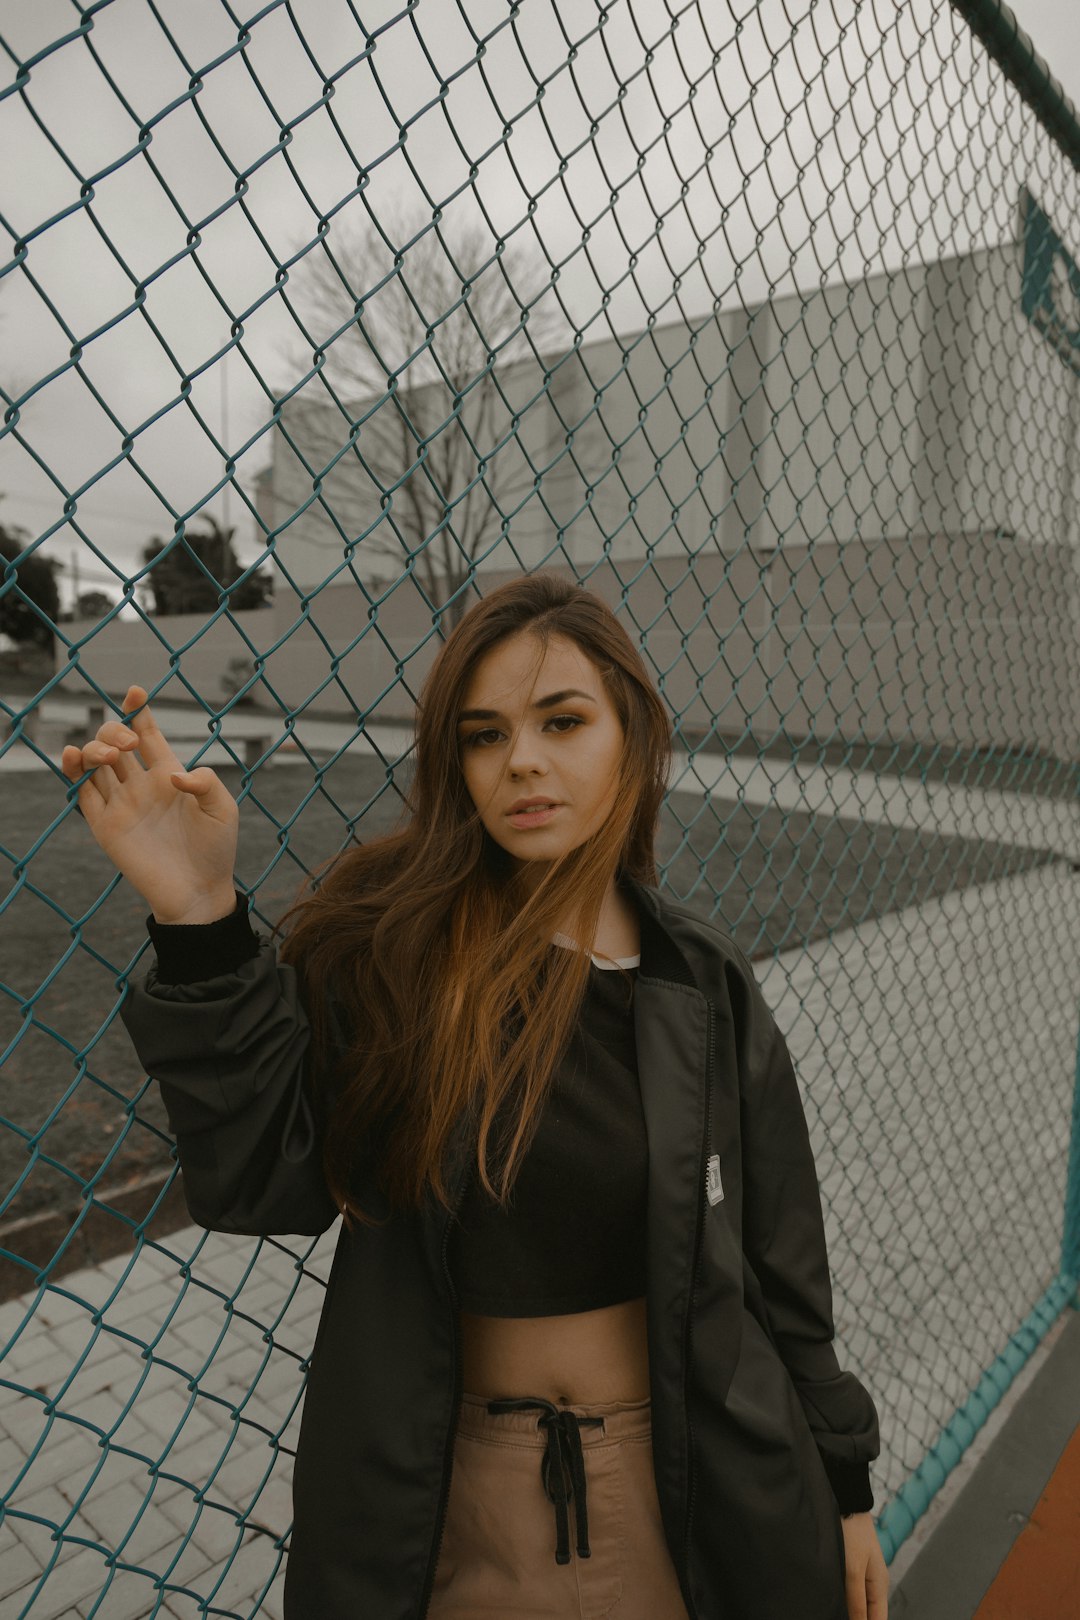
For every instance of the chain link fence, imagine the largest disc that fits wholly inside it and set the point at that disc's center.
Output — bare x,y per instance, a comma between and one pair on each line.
763,321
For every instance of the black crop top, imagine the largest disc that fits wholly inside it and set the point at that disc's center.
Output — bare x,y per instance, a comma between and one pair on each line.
573,1237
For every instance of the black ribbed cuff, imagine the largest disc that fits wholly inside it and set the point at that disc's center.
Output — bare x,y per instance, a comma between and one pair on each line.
850,1483
187,953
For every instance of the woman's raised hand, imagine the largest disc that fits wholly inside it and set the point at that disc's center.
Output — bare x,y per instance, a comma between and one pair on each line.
172,833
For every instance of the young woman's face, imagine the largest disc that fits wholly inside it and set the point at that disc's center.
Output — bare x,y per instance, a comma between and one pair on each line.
566,752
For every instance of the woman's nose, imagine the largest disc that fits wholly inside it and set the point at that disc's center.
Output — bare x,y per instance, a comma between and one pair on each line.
526,754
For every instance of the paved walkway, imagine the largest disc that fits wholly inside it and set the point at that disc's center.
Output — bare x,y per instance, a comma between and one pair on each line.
976,813
177,1375
1025,819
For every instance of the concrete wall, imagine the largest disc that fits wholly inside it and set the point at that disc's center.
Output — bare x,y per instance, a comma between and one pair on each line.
846,513
297,652
876,641
128,650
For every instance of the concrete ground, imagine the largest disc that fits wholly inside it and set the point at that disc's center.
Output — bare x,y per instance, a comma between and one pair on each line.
936,1051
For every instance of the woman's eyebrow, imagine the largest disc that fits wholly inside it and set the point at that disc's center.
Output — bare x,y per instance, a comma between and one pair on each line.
541,703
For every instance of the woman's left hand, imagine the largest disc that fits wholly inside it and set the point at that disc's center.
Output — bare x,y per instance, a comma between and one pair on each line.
867,1579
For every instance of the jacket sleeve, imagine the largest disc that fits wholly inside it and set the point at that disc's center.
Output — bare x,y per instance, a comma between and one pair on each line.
219,1024
784,1241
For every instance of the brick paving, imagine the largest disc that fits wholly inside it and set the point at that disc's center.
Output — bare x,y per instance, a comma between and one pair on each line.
175,1411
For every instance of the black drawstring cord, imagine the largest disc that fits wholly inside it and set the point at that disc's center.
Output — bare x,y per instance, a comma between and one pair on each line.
563,1448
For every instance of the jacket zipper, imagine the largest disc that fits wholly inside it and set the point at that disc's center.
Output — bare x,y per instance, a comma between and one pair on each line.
709,1066
448,1453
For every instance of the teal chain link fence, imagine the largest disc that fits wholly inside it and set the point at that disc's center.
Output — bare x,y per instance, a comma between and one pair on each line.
762,320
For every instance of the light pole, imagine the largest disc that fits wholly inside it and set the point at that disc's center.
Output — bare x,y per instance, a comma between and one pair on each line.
225,448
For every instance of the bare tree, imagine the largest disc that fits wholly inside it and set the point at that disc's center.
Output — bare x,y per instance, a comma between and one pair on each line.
423,360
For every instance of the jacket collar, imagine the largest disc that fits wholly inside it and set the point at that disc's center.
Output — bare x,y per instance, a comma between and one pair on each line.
661,955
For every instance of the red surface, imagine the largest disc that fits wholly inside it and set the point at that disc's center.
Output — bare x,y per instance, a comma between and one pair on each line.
1040,1578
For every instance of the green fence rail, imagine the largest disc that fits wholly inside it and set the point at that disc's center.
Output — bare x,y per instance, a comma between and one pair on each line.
762,321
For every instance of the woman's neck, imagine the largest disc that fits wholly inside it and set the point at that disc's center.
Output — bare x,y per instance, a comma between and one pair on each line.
618,930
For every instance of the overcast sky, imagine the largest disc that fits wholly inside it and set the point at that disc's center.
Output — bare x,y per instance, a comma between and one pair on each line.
932,167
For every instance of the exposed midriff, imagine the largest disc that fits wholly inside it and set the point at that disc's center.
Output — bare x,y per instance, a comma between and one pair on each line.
588,1357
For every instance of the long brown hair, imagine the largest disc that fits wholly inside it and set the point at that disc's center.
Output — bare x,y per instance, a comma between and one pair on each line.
430,935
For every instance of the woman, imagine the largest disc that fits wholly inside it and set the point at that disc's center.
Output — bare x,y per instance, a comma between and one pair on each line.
575,1356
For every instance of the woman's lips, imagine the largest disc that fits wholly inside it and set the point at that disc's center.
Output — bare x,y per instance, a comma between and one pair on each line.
533,818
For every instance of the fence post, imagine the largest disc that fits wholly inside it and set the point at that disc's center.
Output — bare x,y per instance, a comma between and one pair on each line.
1070,1245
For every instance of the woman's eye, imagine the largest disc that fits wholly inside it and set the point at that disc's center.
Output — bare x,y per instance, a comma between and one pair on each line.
476,740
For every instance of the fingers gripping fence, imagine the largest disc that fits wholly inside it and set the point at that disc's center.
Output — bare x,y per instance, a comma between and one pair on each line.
761,320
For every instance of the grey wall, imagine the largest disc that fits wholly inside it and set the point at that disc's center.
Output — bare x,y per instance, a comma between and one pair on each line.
852,512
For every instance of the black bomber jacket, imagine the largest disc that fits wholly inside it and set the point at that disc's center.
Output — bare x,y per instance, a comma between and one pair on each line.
760,1441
